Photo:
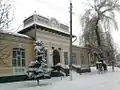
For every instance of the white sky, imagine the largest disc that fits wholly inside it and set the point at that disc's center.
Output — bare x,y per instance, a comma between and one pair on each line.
54,8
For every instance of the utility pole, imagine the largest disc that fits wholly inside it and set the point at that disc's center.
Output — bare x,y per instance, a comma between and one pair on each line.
70,40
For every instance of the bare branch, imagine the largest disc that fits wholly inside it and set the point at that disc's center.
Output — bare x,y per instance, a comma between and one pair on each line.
6,18
101,4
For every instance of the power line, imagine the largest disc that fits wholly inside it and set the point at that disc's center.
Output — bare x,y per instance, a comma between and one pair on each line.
50,4
65,10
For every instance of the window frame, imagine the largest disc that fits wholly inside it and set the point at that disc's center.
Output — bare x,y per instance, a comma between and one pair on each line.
75,60
66,58
18,60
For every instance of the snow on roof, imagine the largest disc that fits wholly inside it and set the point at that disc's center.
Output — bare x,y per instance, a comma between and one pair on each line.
77,66
56,29
47,27
79,46
21,35
14,34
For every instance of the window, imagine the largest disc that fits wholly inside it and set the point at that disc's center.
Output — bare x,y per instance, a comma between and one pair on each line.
18,57
66,58
74,61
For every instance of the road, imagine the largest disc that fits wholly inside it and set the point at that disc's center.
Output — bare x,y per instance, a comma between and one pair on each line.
89,81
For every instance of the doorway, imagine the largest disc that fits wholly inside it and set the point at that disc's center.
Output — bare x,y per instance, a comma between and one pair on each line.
56,57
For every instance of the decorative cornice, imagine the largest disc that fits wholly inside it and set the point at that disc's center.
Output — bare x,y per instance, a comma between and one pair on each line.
51,22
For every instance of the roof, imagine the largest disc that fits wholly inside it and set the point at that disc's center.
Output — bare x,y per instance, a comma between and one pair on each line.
14,34
47,28
78,46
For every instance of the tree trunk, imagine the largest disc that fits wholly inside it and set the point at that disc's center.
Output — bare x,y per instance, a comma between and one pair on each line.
97,34
113,65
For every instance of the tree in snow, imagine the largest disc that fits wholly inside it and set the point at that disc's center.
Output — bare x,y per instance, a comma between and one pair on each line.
38,68
99,17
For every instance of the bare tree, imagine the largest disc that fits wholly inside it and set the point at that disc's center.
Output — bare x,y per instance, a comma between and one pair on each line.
6,17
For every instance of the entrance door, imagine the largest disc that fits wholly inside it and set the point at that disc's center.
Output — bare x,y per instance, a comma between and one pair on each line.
56,57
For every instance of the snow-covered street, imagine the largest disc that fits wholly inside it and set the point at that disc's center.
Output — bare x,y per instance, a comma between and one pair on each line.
88,81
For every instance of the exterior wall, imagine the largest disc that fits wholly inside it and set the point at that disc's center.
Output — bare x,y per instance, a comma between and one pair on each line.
10,42
81,52
59,43
50,40
31,33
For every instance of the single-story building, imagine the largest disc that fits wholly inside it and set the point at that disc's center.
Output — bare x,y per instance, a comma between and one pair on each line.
17,49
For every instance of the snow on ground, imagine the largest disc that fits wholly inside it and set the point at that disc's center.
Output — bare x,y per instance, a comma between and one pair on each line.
87,81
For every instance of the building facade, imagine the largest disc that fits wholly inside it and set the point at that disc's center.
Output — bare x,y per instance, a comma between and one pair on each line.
16,51
55,36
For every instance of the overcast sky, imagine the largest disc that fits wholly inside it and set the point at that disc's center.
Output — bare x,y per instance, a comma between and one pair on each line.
54,8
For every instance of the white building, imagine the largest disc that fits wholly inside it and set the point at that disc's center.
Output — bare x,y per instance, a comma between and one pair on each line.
56,37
